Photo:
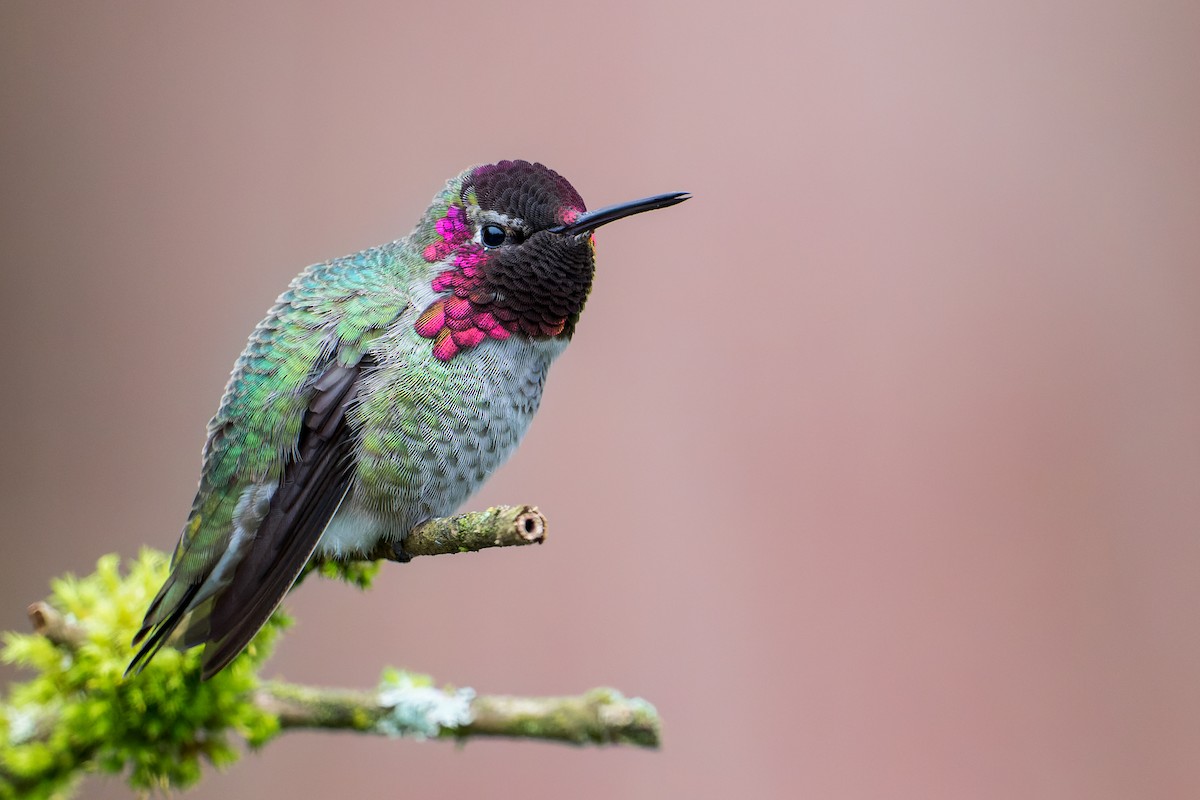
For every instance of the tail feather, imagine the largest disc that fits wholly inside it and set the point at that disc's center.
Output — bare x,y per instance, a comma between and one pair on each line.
160,629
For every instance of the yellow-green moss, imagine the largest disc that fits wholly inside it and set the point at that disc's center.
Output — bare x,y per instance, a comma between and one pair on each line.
80,712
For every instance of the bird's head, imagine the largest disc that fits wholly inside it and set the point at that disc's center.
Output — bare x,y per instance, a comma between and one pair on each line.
513,253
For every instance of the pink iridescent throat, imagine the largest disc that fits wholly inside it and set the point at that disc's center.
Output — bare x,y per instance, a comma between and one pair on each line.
467,315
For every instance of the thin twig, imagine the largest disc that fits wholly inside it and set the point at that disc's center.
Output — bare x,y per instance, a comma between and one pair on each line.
46,621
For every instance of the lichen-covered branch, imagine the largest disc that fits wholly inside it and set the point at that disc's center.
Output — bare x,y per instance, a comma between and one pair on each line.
409,705
499,526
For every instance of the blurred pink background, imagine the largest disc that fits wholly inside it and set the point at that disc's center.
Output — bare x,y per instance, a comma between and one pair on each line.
875,467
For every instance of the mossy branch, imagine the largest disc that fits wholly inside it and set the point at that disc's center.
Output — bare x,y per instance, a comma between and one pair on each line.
80,714
407,705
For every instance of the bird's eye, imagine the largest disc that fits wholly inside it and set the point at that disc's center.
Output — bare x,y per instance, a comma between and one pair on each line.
492,236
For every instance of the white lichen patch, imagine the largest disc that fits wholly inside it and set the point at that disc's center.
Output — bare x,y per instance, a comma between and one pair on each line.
22,724
418,709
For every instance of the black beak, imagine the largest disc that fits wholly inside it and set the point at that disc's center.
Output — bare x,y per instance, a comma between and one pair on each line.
594,219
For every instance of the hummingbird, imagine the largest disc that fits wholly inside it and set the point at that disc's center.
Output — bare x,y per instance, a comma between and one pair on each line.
379,392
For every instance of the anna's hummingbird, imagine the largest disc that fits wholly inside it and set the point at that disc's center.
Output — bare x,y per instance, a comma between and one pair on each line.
380,391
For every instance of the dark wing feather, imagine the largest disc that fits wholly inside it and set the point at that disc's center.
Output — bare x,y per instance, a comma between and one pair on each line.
309,494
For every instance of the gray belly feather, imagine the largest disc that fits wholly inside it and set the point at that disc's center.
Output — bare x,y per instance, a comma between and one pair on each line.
433,433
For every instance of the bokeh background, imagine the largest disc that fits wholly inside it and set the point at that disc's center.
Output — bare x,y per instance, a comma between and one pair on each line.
876,466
